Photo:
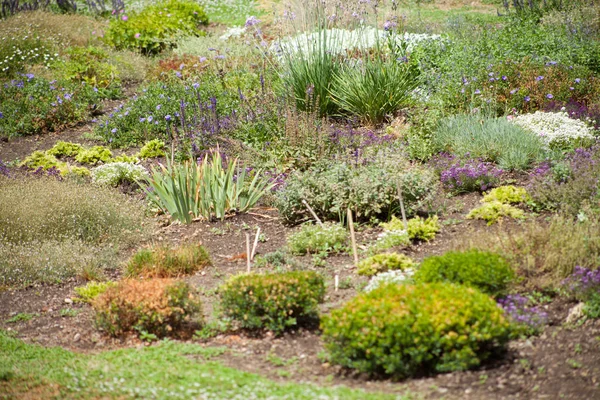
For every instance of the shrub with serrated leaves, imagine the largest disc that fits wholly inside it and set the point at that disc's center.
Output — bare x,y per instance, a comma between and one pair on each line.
403,330
116,173
317,239
65,149
272,301
157,306
384,262
486,271
330,188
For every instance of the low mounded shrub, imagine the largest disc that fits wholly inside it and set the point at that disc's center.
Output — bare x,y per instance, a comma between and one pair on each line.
116,173
384,262
152,149
156,306
494,211
317,239
89,292
272,301
65,149
402,330
388,239
94,155
418,228
486,271
165,262
507,194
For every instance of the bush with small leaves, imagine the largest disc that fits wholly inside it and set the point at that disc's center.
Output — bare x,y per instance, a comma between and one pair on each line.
165,262
94,155
494,211
507,195
116,173
486,271
316,239
403,330
384,262
152,149
124,158
418,228
156,306
39,159
65,149
87,293
273,301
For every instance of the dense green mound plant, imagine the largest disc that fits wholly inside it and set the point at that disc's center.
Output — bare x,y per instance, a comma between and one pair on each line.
507,194
154,306
90,65
94,155
272,301
91,290
494,211
46,162
384,262
312,238
418,228
491,139
486,271
389,239
403,330
156,27
64,149
154,148
117,173
207,189
166,262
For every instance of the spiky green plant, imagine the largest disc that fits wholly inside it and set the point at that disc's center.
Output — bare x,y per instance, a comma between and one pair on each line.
207,189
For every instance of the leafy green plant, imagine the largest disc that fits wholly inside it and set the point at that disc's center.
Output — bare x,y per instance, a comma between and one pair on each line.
46,162
384,262
486,271
64,149
89,65
156,306
91,290
191,190
389,239
401,330
277,259
156,27
318,239
153,149
418,228
507,195
165,262
272,301
494,211
94,155
21,317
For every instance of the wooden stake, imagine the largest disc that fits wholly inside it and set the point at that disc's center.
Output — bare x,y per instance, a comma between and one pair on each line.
336,282
248,252
351,226
402,207
255,244
312,212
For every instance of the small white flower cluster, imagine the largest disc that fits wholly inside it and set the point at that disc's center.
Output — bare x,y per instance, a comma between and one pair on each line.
36,55
556,129
115,173
340,41
394,276
233,32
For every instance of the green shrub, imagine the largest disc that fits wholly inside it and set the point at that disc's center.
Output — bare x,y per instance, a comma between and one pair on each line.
91,290
124,158
191,190
165,262
89,65
403,330
494,211
317,239
389,239
152,149
94,155
486,271
116,173
272,301
65,149
491,139
39,159
156,27
277,259
384,262
331,187
418,228
156,306
507,195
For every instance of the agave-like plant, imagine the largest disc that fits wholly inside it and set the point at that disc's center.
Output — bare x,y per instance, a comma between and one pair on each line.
207,189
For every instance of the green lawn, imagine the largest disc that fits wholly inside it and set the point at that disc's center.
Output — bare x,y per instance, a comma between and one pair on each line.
161,371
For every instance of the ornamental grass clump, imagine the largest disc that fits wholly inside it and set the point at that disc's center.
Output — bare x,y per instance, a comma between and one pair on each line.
328,238
166,262
486,271
207,189
403,330
273,301
384,262
156,306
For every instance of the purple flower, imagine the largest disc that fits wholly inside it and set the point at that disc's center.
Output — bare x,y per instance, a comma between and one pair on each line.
114,130
158,107
539,78
527,98
514,91
29,76
202,59
549,96
577,80
124,17
1,115
389,25
168,117
137,35
251,21
142,119
196,85
504,77
477,91
150,118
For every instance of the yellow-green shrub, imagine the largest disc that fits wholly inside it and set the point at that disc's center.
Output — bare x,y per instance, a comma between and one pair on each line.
66,149
507,194
152,149
157,306
494,211
93,289
402,330
165,262
272,301
94,155
384,262
418,228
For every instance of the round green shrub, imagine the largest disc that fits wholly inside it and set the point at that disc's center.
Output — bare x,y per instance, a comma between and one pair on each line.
384,262
272,301
486,271
402,330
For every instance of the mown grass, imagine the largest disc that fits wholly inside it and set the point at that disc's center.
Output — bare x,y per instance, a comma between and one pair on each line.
169,370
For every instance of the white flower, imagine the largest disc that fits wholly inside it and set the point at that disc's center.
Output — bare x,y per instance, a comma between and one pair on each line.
556,129
394,276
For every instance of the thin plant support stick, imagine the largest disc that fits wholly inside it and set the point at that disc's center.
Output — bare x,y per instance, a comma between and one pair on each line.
353,237
255,243
248,252
402,207
336,282
312,212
